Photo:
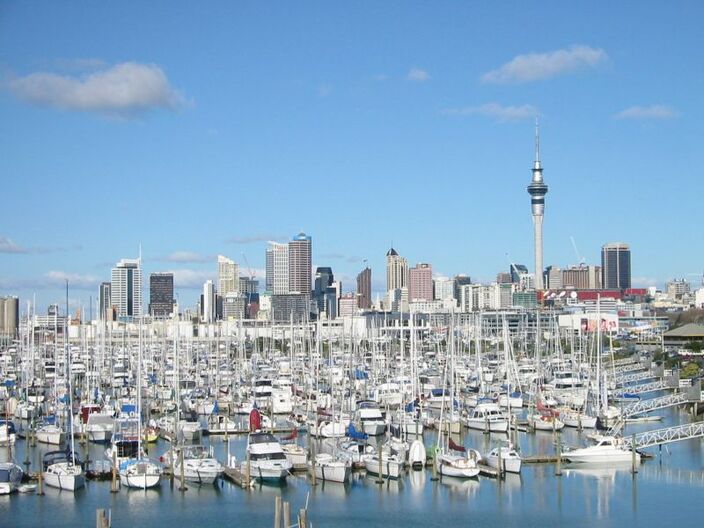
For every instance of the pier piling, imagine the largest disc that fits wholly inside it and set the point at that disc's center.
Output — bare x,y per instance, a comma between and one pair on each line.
277,512
558,463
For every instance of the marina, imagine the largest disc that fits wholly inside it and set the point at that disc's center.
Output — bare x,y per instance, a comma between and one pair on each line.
208,381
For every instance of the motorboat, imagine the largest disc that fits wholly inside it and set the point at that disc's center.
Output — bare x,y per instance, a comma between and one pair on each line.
487,417
199,464
267,459
416,454
505,458
368,418
10,477
607,449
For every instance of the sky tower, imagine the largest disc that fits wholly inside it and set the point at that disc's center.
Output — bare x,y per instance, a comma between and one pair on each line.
537,190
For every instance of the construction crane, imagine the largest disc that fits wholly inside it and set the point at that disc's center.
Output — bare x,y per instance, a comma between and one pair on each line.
580,259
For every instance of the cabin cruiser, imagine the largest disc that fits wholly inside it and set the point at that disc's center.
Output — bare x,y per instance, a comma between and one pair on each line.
607,449
369,419
199,464
487,417
266,458
10,477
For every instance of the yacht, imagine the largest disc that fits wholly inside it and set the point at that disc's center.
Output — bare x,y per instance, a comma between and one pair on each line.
8,433
607,449
330,468
368,418
266,458
10,477
199,465
391,465
505,458
487,417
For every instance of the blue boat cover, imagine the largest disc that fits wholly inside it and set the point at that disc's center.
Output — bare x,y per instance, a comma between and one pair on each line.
354,434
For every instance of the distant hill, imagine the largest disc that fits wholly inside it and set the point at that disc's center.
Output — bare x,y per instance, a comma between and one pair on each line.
678,319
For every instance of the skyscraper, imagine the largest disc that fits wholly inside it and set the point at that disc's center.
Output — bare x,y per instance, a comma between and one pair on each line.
277,268
126,288
208,305
323,280
104,302
364,289
228,276
9,316
616,266
396,271
161,294
300,264
537,190
420,283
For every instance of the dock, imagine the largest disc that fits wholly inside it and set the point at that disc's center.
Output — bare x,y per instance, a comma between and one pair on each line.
238,478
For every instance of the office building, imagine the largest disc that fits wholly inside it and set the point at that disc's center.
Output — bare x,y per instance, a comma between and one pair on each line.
228,276
208,303
161,294
300,264
581,278
396,271
323,280
105,311
277,268
420,283
126,289
364,289
616,266
290,307
9,316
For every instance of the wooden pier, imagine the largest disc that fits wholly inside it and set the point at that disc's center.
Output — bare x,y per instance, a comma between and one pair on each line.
238,478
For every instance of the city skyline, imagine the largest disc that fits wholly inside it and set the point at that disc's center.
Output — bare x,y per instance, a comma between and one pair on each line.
401,139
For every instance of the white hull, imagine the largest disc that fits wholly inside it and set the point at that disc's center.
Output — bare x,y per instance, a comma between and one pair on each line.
374,428
140,481
50,437
390,467
508,465
331,470
493,426
456,466
64,477
417,455
545,423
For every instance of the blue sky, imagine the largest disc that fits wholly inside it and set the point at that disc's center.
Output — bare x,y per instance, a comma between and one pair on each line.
205,128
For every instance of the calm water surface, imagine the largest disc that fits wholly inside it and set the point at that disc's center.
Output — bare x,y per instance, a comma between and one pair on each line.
667,489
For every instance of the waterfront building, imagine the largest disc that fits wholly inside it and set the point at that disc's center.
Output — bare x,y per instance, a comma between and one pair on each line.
300,264
459,281
364,289
277,268
126,288
228,276
677,288
518,270
537,190
420,283
616,266
161,294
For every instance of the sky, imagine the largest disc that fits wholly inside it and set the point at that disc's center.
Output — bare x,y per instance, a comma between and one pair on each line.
194,129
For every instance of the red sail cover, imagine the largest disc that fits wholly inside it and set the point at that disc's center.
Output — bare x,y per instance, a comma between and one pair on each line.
255,420
456,447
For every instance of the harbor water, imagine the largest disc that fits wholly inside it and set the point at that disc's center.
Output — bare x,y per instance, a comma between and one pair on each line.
667,488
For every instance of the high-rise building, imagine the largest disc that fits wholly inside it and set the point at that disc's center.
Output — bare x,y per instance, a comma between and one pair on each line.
228,276
677,288
443,289
104,302
537,190
9,316
233,306
396,271
126,288
248,286
277,268
300,264
323,280
209,303
347,305
364,289
553,278
161,294
616,266
420,283
459,281
582,277
517,270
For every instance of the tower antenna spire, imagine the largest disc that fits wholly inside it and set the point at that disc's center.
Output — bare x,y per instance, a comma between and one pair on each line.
537,139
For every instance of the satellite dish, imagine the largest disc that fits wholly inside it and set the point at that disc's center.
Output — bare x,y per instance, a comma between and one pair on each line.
562,294
573,295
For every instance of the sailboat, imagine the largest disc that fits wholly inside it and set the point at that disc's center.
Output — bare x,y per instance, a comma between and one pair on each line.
66,475
139,472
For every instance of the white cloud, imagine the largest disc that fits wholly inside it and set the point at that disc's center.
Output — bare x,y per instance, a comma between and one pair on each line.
417,75
647,112
191,279
644,282
186,257
9,246
497,111
75,280
262,237
124,90
539,66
